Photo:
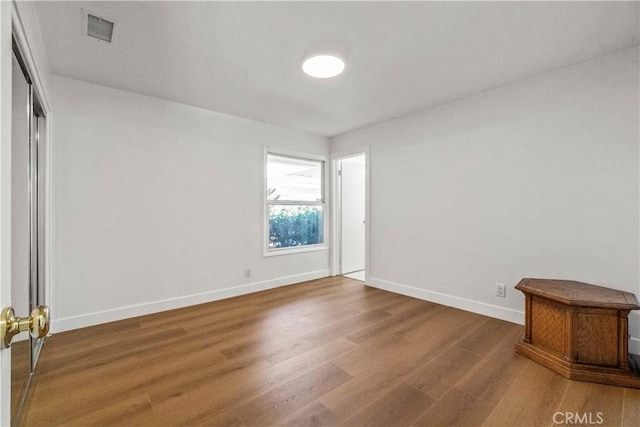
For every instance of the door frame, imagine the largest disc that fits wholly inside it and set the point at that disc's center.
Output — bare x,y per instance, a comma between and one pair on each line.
336,229
12,29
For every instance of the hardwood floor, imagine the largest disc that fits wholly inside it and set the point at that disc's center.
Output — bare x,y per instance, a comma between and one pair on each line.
329,352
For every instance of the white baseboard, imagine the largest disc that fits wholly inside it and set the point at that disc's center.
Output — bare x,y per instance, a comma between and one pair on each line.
490,310
96,318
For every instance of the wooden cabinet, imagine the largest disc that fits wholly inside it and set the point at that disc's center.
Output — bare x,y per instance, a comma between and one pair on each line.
578,330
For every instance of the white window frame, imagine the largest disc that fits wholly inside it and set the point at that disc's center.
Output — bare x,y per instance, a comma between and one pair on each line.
324,246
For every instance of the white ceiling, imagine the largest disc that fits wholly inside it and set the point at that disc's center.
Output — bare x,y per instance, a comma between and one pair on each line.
244,58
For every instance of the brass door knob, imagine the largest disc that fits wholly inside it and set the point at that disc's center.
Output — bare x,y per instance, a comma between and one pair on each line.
37,324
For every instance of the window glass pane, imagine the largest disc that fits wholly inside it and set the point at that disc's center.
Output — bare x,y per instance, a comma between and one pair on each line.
292,179
291,226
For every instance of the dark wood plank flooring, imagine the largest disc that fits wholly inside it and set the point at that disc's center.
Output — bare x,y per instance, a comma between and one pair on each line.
328,352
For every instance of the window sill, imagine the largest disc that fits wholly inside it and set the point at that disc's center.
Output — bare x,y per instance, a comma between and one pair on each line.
296,250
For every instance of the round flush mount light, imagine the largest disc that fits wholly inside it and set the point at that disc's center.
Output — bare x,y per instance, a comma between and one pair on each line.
323,66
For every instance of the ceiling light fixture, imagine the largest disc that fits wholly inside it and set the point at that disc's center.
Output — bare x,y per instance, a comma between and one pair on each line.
323,66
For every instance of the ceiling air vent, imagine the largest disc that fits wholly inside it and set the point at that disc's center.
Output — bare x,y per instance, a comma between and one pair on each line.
98,27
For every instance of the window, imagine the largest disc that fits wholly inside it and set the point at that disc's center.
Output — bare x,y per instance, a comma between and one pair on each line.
295,203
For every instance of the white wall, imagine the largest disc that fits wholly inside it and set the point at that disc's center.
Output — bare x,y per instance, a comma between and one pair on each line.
535,179
158,205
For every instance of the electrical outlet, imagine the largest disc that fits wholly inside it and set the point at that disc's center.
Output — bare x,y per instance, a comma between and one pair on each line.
501,290
247,272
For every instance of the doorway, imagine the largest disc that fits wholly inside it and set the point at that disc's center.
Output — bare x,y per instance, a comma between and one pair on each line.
351,216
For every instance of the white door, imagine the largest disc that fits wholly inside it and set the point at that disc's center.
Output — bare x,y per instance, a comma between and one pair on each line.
21,228
20,206
19,225
5,202
20,222
352,213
